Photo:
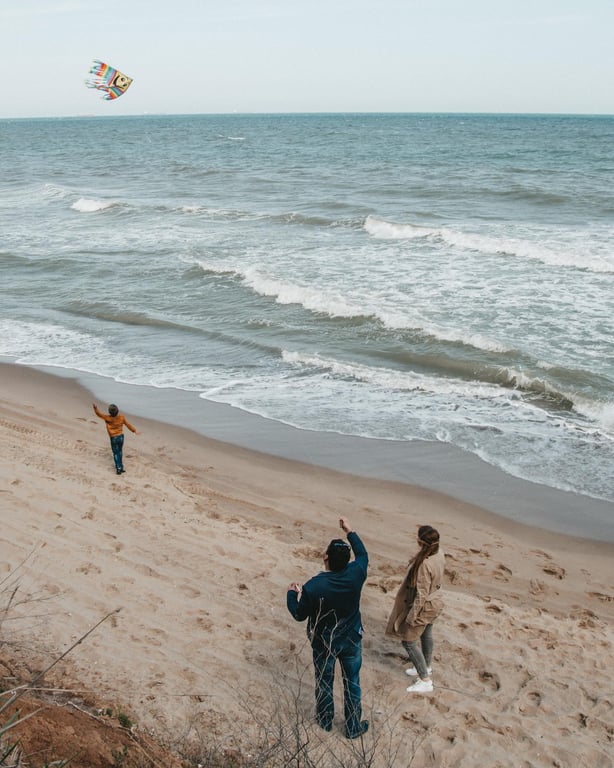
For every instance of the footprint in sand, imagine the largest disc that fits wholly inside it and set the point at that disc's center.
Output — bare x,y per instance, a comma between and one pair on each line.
494,607
502,573
601,596
541,553
157,637
88,568
537,588
454,577
146,570
204,624
190,591
385,585
483,552
392,570
491,679
531,703
309,553
552,569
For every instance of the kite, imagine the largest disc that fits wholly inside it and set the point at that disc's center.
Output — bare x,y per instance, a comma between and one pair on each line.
111,81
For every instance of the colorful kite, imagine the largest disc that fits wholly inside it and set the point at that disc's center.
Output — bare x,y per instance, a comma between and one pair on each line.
111,81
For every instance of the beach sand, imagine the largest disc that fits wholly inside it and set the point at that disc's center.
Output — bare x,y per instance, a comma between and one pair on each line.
196,545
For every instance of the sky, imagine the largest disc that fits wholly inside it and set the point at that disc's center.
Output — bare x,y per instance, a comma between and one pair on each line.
223,56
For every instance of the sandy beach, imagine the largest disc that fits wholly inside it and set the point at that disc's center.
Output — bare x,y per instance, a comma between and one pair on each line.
196,544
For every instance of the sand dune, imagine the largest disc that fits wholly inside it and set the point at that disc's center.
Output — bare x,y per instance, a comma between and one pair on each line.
196,544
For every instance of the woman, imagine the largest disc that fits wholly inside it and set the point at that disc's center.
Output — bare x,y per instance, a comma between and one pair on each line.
417,604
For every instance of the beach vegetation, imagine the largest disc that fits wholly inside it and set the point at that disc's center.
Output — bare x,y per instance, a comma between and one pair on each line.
281,730
124,720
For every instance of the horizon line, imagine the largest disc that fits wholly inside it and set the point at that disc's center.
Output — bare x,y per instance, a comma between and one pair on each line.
235,113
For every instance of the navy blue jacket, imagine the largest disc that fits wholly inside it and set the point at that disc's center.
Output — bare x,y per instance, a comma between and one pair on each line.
331,600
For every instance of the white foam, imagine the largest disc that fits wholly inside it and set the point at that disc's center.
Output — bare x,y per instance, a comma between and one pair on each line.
45,341
600,413
334,304
87,205
508,246
409,381
388,230
314,299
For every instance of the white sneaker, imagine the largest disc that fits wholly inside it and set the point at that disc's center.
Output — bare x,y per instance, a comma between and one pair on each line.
421,686
412,672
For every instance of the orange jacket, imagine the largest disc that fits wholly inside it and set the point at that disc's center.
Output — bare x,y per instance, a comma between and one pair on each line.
115,424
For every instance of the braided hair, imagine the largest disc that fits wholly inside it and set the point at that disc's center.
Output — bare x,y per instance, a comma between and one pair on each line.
428,539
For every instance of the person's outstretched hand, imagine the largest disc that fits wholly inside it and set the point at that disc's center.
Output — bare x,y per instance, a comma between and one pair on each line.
344,524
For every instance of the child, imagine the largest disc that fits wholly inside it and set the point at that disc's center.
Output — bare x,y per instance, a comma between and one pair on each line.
115,427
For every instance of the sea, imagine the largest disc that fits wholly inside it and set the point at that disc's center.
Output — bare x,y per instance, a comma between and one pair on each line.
403,277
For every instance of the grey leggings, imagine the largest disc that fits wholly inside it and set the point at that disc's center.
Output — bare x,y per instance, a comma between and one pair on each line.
420,651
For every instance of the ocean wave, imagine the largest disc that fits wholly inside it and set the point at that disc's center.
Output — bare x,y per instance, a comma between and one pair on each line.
311,298
88,205
223,214
43,343
453,379
542,390
109,314
387,230
380,228
390,379
335,305
290,217
534,196
332,304
299,218
598,412
55,191
30,193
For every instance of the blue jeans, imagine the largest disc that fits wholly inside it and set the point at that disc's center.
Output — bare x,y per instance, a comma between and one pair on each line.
349,653
117,446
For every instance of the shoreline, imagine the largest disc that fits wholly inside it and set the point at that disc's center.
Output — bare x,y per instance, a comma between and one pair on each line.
190,554
430,465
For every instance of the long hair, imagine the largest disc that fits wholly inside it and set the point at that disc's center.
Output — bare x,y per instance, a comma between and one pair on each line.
428,538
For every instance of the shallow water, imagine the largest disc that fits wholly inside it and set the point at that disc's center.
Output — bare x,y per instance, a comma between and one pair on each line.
404,277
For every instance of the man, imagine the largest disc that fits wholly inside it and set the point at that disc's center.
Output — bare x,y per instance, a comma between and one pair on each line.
330,602
115,422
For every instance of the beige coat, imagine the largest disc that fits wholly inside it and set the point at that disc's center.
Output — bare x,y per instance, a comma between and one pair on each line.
408,620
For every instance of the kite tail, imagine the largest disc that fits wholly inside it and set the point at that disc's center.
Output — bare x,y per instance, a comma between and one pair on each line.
101,75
